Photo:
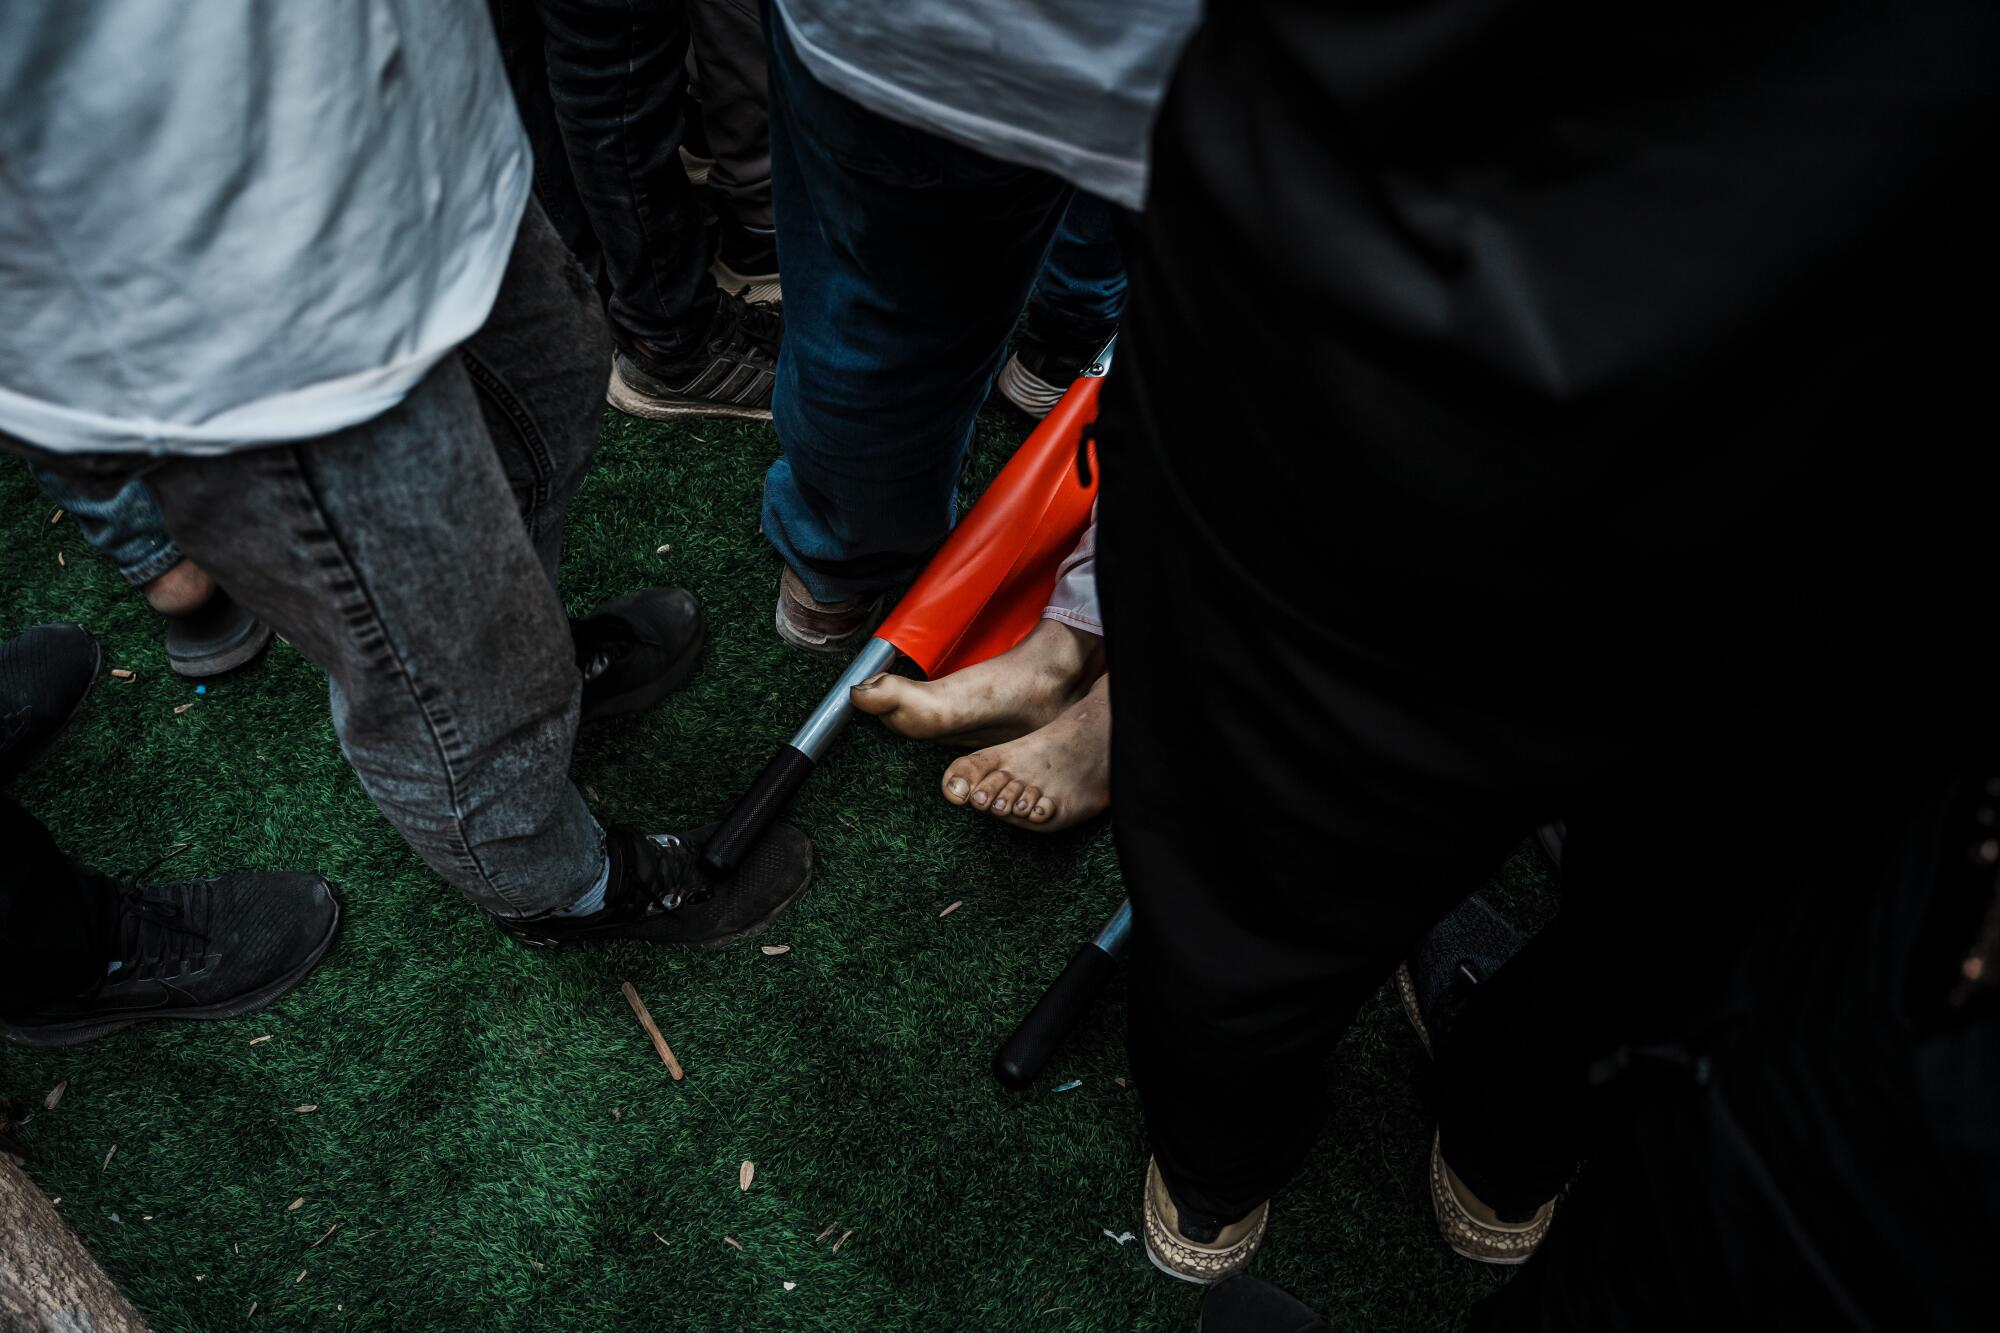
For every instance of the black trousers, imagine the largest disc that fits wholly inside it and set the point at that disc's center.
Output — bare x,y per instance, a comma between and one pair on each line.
600,85
1796,1125
1542,449
52,921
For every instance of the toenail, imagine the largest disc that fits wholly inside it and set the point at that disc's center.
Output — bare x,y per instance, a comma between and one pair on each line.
956,786
980,799
870,683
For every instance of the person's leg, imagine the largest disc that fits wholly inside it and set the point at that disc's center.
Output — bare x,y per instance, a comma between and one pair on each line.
616,69
1081,289
729,85
907,259
412,558
207,633
1074,309
122,520
524,51
1290,817
52,921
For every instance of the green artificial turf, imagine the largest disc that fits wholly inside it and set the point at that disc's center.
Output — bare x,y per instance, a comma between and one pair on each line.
494,1139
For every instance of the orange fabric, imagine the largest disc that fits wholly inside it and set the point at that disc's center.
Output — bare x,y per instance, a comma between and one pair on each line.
987,585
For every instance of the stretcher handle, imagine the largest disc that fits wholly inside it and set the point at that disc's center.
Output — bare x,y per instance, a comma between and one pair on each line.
1027,1050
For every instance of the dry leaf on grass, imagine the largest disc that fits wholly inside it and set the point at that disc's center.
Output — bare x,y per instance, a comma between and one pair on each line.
949,910
745,1174
731,1240
842,1241
662,1239
773,950
259,1041
107,1157
664,548
307,1109
295,1204
820,1239
120,673
59,560
182,708
55,1095
300,1278
55,518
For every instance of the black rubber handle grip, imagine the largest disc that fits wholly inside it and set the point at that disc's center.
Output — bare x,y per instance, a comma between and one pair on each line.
760,807
1053,1018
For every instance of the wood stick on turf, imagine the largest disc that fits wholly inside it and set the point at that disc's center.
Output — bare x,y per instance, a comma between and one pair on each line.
653,1031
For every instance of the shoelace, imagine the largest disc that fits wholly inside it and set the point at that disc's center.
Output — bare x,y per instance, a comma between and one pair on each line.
661,876
154,936
753,323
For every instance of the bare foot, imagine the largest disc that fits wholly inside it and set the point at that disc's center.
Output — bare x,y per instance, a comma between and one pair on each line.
1024,688
183,588
1048,779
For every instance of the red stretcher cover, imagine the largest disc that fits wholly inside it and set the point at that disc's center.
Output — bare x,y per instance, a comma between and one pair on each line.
986,587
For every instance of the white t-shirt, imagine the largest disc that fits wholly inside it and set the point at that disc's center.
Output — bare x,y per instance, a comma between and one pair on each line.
226,223
1069,86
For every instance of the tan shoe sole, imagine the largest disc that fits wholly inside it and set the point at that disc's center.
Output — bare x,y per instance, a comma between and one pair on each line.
1503,1243
1178,1257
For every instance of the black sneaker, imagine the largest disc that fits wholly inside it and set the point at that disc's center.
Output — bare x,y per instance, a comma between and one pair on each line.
1462,951
1041,369
660,891
45,675
637,650
216,637
729,375
212,948
746,262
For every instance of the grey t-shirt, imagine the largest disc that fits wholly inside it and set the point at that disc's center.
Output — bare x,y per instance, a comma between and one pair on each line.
1069,86
233,222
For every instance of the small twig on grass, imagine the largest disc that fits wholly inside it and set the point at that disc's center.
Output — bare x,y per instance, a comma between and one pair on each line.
842,1241
322,1240
652,1030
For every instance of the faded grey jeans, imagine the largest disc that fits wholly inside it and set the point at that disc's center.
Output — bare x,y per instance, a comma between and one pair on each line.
413,558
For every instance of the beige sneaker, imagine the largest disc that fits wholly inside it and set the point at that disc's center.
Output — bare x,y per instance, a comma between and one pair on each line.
1207,1261
835,628
1474,1230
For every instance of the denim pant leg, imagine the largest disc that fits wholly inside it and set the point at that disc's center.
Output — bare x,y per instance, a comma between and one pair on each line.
124,523
1081,290
394,555
906,260
616,71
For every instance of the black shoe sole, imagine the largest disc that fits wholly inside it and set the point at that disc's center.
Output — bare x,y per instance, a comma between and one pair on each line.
82,1030
554,944
635,403
660,686
239,654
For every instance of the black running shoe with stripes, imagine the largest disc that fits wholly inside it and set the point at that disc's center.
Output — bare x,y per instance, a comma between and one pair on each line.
729,374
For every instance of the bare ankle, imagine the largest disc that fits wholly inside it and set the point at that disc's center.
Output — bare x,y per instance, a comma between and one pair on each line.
185,587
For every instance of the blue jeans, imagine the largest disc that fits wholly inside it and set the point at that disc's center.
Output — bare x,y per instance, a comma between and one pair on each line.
907,260
1081,290
125,525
